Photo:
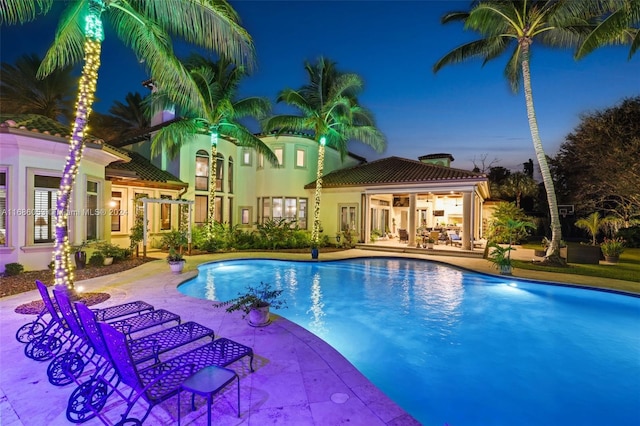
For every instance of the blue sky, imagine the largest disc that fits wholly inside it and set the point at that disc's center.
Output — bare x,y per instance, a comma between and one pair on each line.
466,110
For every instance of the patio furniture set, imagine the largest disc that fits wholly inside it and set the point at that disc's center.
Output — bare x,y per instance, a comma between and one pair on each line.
126,345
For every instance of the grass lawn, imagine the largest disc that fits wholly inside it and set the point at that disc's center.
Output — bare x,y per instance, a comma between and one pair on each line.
628,269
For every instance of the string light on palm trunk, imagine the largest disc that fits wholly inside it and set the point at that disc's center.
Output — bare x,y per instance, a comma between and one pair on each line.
213,178
63,270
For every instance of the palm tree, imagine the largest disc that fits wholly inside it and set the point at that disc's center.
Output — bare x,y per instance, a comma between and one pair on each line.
619,26
123,120
22,93
218,115
594,223
519,185
145,26
329,108
516,24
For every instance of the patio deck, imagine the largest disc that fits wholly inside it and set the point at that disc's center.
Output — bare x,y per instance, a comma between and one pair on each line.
299,379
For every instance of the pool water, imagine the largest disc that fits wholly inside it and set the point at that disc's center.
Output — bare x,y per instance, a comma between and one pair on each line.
457,348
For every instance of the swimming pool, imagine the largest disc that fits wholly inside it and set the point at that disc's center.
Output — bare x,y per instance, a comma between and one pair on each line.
464,348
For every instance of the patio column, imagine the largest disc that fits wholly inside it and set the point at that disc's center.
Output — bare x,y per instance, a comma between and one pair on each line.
411,228
366,209
467,227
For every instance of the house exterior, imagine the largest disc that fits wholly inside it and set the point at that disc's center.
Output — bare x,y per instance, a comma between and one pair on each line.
382,196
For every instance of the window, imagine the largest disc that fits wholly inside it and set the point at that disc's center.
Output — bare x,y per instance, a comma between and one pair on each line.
276,208
165,213
219,173
230,211
202,170
260,161
290,205
92,206
246,157
200,209
4,240
114,205
45,197
266,209
218,212
301,158
302,213
245,216
347,217
230,173
279,153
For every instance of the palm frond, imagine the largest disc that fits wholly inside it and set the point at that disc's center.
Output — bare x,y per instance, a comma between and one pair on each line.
212,24
475,49
172,137
21,11
153,45
616,28
257,107
455,16
295,99
68,46
368,135
243,137
287,123
513,70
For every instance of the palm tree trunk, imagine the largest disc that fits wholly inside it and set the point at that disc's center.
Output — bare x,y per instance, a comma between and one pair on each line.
316,203
553,252
63,268
213,177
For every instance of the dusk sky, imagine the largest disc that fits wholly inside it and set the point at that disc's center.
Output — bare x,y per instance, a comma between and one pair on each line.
466,110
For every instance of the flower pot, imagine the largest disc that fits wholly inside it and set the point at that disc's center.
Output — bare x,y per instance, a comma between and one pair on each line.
611,259
314,253
430,246
107,261
176,267
259,317
81,259
505,269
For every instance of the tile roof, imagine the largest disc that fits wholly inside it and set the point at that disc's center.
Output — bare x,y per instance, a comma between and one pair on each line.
393,171
143,170
35,123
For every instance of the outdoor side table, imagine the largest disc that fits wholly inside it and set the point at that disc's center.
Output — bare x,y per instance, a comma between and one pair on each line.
207,382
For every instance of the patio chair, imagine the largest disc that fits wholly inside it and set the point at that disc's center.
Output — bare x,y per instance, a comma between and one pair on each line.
161,381
67,367
454,238
403,235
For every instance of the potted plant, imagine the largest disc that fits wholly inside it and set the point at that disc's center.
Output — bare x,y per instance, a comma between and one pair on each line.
110,252
612,248
176,261
314,249
255,303
500,257
430,242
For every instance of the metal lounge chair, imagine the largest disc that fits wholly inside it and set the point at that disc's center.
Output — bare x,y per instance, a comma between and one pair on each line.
68,366
41,325
160,382
403,235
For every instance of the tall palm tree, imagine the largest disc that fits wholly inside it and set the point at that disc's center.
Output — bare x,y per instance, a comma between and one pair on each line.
143,25
330,109
218,115
123,119
515,25
21,92
620,26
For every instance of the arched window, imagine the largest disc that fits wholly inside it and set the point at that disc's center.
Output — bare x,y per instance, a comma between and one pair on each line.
220,173
202,170
230,173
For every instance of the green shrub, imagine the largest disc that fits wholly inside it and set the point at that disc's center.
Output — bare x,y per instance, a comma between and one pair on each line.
174,239
96,259
111,250
13,269
631,235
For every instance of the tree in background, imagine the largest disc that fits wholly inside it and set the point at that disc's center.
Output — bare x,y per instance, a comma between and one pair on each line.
145,26
122,121
514,25
330,109
598,166
218,114
21,92
518,185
